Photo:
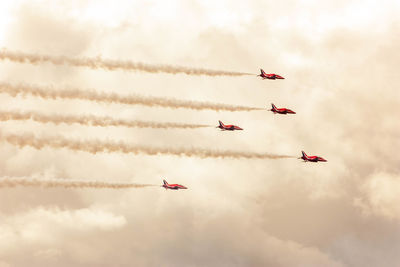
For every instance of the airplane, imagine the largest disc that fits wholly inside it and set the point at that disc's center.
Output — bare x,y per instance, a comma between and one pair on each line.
311,158
271,76
172,186
228,127
281,110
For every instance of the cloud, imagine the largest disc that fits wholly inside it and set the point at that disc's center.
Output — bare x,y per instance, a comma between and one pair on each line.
44,227
341,76
380,196
48,254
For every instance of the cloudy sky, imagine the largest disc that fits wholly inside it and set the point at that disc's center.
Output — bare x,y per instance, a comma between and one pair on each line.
340,60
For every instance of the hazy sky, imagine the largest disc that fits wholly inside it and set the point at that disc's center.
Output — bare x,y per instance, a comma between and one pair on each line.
340,60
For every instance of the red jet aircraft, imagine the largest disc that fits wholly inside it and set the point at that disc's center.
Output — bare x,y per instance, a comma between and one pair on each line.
228,127
281,110
311,158
271,76
172,186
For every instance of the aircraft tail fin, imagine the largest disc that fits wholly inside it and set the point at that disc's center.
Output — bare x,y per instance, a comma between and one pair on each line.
273,106
165,182
304,154
221,124
262,72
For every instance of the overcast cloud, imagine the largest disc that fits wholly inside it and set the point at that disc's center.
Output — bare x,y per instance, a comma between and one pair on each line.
340,60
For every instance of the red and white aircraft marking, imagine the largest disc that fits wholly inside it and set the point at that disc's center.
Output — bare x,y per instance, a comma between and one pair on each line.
311,158
228,127
172,186
271,76
281,110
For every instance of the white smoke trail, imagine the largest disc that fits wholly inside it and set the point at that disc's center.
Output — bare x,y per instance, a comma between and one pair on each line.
26,181
90,95
95,146
92,120
107,64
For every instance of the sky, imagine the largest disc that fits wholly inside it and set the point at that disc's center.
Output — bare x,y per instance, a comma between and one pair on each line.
340,63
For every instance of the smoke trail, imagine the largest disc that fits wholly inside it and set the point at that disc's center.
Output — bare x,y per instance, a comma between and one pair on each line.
107,64
25,181
95,146
92,120
90,95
